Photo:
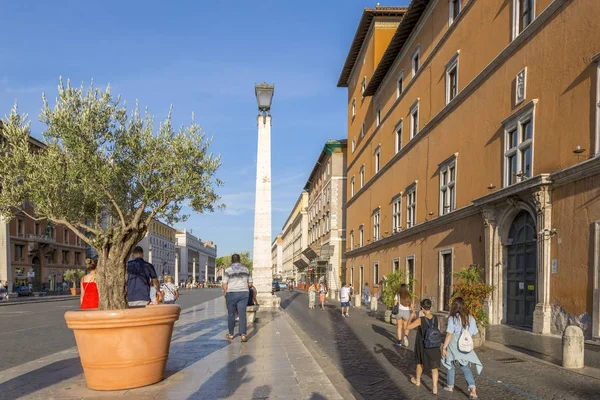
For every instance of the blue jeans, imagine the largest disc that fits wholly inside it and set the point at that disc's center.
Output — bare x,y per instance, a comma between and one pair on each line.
466,372
366,299
236,301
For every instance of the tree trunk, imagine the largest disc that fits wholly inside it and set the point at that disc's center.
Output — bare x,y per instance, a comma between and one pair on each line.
112,272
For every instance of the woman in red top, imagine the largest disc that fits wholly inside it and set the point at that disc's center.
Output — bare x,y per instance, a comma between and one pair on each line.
89,289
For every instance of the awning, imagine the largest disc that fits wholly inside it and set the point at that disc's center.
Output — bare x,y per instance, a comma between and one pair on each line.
301,263
309,253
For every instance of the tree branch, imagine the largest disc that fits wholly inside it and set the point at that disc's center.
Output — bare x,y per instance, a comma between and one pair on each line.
115,205
29,215
74,229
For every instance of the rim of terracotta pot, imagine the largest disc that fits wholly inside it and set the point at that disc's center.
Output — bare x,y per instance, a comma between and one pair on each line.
138,316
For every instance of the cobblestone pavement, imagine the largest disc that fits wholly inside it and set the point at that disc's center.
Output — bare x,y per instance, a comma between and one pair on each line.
32,331
202,364
361,349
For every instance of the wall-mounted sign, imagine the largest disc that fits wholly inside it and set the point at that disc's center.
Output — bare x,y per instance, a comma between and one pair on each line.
20,272
521,285
555,266
530,287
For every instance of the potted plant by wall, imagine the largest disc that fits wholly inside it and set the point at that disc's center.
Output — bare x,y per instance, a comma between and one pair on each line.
390,289
474,291
74,276
105,172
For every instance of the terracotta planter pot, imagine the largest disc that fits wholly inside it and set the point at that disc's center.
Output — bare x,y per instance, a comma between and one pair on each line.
75,291
123,349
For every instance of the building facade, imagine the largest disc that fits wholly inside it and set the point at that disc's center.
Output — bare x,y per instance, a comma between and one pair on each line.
196,259
326,188
294,237
475,137
159,247
277,257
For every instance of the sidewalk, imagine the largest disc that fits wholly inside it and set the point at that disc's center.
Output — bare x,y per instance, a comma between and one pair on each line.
202,365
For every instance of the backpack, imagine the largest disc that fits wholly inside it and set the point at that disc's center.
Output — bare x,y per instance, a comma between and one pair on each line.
433,336
465,342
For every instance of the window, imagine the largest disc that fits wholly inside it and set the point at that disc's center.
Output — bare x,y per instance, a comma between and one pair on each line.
397,213
454,10
37,228
523,15
410,271
351,240
414,119
400,84
20,227
377,158
66,236
395,264
446,278
353,144
65,257
361,236
518,153
411,206
378,116
447,187
352,187
452,79
362,130
362,176
398,138
77,258
416,61
363,87
376,273
353,108
19,252
376,219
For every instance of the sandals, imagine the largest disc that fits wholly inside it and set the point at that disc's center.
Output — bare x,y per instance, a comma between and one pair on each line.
244,338
472,396
413,380
229,336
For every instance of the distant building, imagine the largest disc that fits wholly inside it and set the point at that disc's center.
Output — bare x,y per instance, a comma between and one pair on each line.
277,256
197,259
294,237
159,247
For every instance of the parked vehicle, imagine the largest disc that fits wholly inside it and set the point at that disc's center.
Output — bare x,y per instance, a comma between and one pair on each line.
276,286
283,285
24,291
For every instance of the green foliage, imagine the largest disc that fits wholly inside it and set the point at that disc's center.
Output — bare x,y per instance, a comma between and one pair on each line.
74,276
105,173
225,261
393,282
474,292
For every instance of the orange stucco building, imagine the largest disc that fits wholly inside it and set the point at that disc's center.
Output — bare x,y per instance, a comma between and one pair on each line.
473,136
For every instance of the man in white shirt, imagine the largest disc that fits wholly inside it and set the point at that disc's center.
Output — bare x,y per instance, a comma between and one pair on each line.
345,299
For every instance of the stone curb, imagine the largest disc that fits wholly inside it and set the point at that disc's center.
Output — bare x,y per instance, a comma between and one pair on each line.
49,299
344,388
585,371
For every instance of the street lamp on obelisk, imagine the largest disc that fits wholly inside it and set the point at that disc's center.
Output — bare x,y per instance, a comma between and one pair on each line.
261,262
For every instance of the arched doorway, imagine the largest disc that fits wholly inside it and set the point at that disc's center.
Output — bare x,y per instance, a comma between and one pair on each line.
521,280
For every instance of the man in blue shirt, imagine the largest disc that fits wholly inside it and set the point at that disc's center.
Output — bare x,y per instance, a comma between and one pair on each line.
141,275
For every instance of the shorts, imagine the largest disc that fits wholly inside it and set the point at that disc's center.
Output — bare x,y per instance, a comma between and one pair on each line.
403,314
345,304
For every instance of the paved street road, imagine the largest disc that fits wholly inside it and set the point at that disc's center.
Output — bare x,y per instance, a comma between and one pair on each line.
361,348
31,331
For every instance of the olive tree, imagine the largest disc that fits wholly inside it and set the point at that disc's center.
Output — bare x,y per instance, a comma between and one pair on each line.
105,172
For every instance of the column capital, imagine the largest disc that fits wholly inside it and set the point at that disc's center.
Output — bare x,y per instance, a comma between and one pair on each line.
541,199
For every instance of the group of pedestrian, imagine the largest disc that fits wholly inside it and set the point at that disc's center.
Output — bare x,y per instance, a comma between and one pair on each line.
430,349
320,287
141,278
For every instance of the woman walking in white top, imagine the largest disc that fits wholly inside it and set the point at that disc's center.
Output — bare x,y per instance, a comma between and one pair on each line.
406,312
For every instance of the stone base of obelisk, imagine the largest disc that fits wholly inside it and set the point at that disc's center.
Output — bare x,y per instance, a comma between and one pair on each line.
268,302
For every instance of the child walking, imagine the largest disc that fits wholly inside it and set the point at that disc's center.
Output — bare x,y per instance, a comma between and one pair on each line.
427,345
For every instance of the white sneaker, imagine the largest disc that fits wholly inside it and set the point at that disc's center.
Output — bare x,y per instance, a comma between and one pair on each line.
237,318
405,341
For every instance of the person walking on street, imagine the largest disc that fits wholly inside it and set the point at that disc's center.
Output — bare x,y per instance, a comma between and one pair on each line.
461,328
427,345
366,294
89,288
404,304
345,300
312,296
169,291
322,293
252,292
236,283
140,276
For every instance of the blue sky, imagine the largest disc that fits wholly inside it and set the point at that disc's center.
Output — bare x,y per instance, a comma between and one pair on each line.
202,57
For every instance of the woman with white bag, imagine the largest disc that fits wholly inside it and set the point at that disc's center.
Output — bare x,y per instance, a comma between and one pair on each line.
458,346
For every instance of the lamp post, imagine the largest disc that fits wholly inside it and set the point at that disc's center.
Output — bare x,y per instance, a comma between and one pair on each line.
262,275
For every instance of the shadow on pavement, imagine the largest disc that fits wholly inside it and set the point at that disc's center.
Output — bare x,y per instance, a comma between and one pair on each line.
227,380
286,302
40,378
384,332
